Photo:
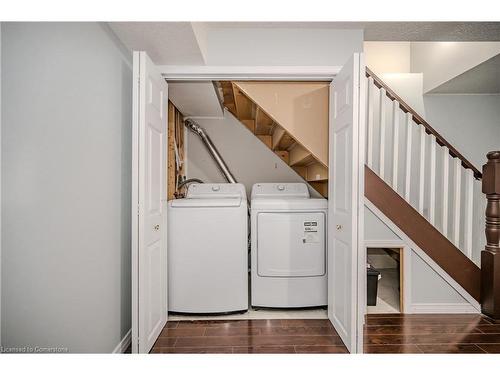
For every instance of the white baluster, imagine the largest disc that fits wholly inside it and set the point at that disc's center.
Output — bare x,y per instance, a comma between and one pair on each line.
395,144
456,207
409,123
421,191
369,151
469,213
446,183
432,187
382,134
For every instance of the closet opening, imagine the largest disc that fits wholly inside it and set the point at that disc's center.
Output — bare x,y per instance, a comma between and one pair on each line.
278,171
384,280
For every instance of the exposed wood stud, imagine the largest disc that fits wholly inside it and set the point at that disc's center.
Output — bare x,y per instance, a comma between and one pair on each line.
300,156
273,134
278,134
316,172
250,124
284,155
266,139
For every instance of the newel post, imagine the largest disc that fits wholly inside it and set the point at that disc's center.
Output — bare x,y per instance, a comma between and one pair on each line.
490,256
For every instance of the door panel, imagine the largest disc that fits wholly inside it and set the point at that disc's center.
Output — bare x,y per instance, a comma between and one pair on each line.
344,206
149,253
291,244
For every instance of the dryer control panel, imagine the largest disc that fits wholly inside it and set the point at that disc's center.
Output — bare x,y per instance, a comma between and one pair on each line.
280,190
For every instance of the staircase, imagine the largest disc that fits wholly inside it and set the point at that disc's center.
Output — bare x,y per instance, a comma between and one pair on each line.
290,118
424,185
417,179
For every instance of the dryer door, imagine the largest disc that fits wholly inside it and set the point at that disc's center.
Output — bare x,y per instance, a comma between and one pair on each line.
291,244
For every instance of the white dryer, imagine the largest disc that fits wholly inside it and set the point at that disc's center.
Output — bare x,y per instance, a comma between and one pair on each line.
288,255
208,250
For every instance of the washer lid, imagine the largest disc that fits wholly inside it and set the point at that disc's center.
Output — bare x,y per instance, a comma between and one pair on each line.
216,191
280,190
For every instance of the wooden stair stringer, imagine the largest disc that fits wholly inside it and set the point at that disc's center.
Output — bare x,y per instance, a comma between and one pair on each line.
423,234
300,108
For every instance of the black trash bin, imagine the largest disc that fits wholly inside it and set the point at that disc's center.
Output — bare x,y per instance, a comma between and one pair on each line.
372,285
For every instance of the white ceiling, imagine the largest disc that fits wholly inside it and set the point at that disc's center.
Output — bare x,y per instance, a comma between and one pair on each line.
195,99
482,79
167,43
392,31
185,43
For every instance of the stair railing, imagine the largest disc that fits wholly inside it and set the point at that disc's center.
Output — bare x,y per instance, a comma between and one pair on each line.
424,168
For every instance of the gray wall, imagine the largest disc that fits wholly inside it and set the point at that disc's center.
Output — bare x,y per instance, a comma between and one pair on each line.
427,286
471,123
247,157
282,46
66,172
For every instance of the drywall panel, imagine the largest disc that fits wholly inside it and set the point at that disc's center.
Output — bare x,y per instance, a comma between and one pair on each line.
195,98
482,79
409,86
469,122
376,230
301,108
167,43
428,290
282,46
428,286
66,187
387,57
249,160
442,61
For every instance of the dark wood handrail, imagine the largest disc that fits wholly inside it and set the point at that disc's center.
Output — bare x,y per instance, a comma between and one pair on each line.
419,120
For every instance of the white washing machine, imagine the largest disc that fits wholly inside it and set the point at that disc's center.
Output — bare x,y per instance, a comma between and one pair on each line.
288,255
208,250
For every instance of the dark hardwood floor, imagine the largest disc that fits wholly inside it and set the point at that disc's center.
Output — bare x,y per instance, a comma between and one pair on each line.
384,333
249,336
431,333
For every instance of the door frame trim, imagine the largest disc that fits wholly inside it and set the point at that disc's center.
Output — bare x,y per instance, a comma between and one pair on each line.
267,73
248,73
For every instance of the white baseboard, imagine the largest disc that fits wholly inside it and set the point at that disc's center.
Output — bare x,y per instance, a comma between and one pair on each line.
124,344
442,308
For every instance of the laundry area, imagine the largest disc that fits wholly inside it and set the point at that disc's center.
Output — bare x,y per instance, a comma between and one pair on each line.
247,234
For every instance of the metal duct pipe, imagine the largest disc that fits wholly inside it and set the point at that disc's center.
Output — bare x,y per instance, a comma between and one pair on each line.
198,130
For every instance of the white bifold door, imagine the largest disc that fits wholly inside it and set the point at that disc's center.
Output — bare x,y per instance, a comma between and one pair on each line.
149,229
346,264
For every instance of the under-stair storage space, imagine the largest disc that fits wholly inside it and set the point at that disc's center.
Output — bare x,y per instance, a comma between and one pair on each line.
384,279
290,118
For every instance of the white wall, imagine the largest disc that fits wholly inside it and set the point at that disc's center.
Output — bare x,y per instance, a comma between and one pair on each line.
248,159
469,122
428,290
281,46
66,172
442,61
387,57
